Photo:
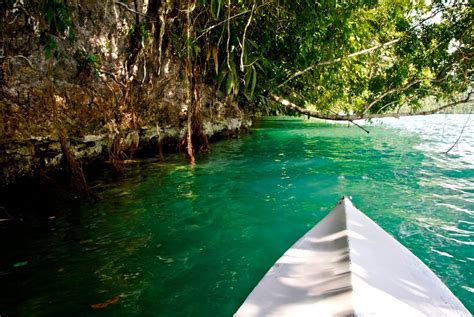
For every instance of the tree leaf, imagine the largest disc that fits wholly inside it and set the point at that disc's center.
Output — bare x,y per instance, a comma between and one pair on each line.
215,53
229,83
254,81
221,76
219,5
247,77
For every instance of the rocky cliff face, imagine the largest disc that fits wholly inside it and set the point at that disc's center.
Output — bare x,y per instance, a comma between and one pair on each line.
102,75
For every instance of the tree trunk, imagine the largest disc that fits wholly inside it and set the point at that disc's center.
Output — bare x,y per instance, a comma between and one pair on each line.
337,117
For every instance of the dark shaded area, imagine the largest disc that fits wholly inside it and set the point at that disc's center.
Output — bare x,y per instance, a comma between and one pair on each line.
35,198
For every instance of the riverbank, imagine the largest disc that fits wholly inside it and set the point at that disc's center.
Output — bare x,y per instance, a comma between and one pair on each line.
37,184
40,155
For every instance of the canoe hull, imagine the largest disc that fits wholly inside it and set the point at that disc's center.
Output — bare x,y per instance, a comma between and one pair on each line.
348,266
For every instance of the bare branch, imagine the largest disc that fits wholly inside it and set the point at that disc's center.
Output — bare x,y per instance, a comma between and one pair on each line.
129,9
217,24
205,31
400,89
23,57
113,76
243,37
189,95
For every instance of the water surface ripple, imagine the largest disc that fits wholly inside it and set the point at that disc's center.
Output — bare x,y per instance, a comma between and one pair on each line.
173,240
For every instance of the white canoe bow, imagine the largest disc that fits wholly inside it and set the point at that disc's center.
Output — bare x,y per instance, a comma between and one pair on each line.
348,266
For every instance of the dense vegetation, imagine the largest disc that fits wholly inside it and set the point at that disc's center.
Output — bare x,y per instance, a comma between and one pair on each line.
353,57
328,59
360,57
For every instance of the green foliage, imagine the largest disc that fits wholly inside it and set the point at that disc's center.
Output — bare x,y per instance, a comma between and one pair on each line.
49,44
216,6
87,64
230,78
328,55
250,81
58,16
140,33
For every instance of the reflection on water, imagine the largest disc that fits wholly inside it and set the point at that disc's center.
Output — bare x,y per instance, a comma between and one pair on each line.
172,240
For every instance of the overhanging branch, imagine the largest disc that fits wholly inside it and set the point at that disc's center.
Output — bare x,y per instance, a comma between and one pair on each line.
337,117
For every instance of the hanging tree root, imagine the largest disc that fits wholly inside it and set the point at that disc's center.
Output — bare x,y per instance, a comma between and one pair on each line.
189,87
116,155
199,137
159,140
196,138
76,175
189,135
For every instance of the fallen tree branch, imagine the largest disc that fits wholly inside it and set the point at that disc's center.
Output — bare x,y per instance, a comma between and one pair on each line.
338,117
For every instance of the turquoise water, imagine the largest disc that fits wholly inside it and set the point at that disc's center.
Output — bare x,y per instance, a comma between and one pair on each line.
168,239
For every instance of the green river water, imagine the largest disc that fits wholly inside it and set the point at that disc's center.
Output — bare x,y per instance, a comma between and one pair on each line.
168,239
